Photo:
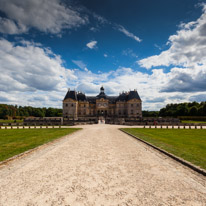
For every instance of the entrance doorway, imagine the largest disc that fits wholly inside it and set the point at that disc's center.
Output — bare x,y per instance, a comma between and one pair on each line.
101,120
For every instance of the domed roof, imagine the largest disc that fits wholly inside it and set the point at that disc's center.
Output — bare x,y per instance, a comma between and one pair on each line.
102,94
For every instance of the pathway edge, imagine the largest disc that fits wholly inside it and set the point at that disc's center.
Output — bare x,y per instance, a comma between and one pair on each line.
6,161
178,159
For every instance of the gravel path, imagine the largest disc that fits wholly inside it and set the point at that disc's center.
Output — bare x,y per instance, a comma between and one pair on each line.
99,165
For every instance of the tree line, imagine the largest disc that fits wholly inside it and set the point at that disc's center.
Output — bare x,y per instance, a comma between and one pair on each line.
171,110
176,110
184,109
20,112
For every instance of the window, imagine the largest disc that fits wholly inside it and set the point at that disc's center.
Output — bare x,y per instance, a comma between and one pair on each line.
66,105
72,105
131,105
131,111
84,105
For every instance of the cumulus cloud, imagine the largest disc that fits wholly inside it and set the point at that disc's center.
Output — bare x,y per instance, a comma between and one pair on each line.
36,74
92,44
32,75
198,98
187,46
127,33
8,26
186,80
47,16
186,56
29,68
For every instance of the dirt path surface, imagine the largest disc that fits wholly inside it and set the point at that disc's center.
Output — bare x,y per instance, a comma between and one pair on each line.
99,165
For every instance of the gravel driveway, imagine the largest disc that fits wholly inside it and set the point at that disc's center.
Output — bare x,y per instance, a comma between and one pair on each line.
99,165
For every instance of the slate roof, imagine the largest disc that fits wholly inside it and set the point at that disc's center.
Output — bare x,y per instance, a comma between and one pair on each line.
81,97
71,95
125,96
101,95
112,99
122,97
133,95
91,99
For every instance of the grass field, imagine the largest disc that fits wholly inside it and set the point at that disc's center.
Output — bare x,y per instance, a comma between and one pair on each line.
11,121
13,142
191,121
187,144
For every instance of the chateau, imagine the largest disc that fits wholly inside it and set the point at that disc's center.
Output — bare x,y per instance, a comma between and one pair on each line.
79,107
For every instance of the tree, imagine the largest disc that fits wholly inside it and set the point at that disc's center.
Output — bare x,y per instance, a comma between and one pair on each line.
193,111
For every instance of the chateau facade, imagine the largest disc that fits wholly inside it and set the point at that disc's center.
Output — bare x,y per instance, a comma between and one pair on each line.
78,106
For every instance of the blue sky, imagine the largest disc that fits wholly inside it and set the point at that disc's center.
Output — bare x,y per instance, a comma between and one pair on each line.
157,47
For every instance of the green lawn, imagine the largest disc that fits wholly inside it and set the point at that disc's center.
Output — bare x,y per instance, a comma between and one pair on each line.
11,121
188,144
13,142
192,121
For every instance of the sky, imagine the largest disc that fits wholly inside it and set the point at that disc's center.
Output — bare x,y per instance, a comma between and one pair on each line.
157,47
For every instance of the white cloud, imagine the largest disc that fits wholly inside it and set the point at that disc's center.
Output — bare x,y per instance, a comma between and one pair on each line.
187,52
37,76
29,69
8,26
186,80
80,64
105,55
187,46
127,33
48,16
92,44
